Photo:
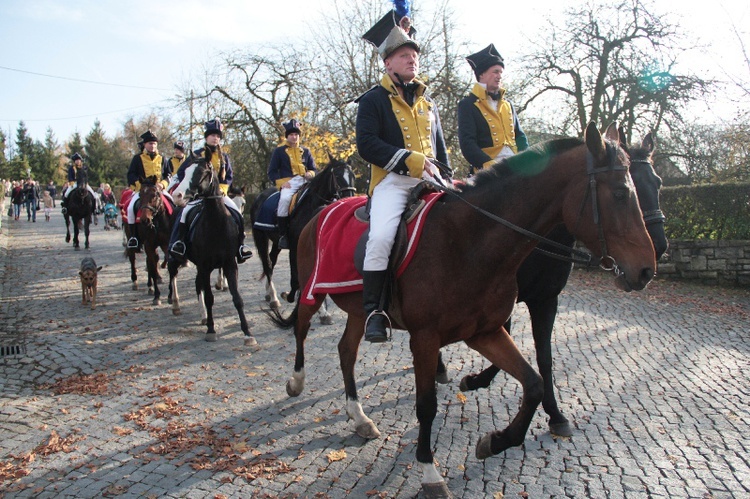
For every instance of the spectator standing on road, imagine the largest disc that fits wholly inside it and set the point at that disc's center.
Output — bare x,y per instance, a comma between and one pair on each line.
31,195
48,205
52,192
17,197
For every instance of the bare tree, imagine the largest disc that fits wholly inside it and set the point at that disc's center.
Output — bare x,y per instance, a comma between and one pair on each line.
611,61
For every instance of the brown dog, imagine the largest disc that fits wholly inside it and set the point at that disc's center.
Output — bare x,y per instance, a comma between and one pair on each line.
89,272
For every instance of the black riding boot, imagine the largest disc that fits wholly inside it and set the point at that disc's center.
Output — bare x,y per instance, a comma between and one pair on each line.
375,302
179,248
244,252
283,230
133,242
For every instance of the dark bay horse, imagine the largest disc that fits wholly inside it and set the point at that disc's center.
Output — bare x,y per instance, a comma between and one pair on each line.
213,246
461,283
80,209
154,230
334,181
542,278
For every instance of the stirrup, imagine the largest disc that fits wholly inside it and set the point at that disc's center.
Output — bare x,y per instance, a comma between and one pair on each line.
133,243
284,243
244,253
178,248
64,211
377,337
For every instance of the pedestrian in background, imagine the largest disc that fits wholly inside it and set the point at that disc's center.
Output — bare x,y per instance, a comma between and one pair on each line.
48,205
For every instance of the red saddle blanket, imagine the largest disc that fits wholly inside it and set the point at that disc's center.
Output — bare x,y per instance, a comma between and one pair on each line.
167,206
338,232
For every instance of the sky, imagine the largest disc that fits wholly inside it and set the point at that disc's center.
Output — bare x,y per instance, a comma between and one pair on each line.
134,56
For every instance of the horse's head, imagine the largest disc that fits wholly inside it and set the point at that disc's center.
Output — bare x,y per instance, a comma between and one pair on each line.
606,195
82,179
648,184
151,201
204,182
334,181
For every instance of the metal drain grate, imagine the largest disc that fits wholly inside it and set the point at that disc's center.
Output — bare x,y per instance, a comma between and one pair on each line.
8,350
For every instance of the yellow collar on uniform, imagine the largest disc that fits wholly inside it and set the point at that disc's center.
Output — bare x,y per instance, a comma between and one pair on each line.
388,83
480,91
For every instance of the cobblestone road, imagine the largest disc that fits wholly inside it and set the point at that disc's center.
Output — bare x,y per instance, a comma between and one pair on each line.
128,400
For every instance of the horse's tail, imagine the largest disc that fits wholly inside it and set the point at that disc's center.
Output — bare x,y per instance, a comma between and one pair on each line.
280,321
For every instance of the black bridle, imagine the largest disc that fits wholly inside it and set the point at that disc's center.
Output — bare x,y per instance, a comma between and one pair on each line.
606,262
650,217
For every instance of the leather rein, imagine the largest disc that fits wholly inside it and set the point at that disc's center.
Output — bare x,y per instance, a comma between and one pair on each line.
606,262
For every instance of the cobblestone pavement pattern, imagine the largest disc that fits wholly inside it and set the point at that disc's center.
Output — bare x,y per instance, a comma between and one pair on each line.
129,400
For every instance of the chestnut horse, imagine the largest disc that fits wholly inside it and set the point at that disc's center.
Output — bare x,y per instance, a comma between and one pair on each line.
541,279
461,282
154,230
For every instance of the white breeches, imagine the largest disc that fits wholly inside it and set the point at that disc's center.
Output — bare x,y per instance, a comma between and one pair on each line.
285,196
73,186
227,202
386,207
505,152
131,206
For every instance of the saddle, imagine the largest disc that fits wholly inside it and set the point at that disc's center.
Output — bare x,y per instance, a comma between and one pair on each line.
195,214
340,256
267,219
414,205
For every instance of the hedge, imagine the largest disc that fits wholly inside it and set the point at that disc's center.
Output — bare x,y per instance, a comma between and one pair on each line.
709,211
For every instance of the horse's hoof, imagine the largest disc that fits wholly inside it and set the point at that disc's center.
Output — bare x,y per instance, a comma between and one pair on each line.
159,280
484,447
77,248
135,286
368,430
150,291
204,322
437,490
464,385
292,392
156,302
210,337
267,298
169,300
563,429
326,320
251,342
176,311
275,305
442,378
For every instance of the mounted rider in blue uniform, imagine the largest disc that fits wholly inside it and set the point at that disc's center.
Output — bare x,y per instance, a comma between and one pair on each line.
220,162
290,168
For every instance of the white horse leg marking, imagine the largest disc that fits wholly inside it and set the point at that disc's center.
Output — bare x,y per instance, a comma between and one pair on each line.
430,473
273,299
296,383
204,312
323,315
364,426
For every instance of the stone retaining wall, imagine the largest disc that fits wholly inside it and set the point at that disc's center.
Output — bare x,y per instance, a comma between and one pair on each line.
725,263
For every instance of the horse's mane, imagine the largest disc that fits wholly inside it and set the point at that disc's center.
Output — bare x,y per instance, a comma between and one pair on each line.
322,183
528,163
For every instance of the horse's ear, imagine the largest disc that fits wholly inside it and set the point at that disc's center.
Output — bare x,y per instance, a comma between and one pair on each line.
594,142
649,143
623,140
331,159
612,133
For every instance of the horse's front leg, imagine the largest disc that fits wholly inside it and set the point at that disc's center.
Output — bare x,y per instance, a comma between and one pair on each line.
76,229
203,286
133,272
472,382
174,296
230,273
425,353
303,315
86,224
67,229
499,348
348,350
543,314
152,264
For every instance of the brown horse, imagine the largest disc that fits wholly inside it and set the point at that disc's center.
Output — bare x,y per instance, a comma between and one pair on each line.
154,230
461,283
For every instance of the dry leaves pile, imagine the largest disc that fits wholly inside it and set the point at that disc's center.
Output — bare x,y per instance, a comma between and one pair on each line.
198,443
91,384
17,467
